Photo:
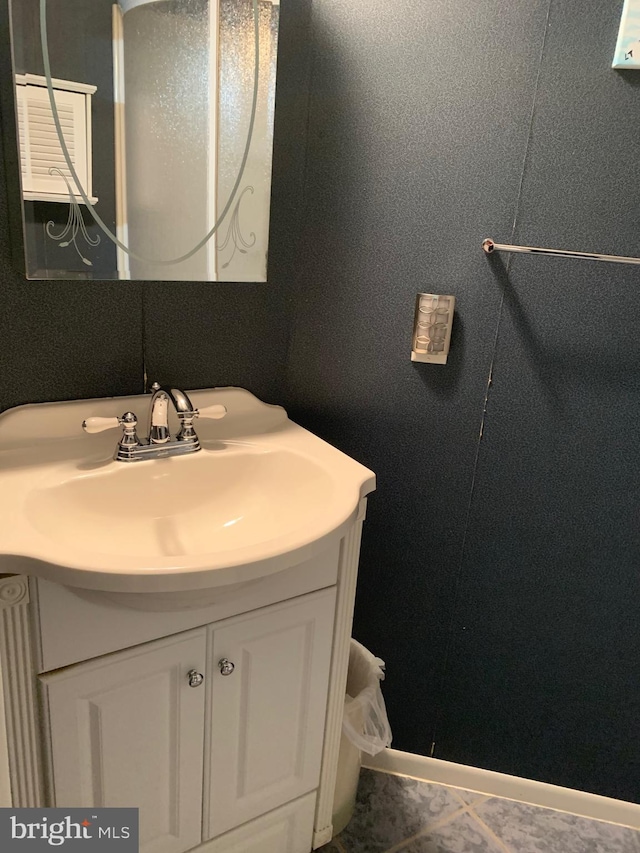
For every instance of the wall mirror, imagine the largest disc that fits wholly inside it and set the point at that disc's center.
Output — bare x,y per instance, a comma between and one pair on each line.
145,133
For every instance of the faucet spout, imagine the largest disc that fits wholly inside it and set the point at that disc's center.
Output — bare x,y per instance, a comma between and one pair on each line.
159,413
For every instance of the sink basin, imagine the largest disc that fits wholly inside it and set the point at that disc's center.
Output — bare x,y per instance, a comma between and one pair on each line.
227,500
261,496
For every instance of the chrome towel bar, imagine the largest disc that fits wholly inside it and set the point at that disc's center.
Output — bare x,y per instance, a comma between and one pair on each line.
489,246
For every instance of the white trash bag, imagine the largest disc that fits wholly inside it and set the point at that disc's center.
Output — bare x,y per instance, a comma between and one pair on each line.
365,721
365,728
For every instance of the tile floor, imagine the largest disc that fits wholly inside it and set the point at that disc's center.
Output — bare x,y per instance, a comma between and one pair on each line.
395,814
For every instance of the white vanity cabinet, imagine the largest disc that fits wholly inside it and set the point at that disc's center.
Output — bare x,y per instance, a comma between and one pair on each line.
266,727
126,730
201,756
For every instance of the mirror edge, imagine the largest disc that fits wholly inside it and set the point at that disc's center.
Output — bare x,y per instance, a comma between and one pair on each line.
10,145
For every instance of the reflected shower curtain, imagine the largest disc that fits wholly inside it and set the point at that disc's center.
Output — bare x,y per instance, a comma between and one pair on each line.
187,113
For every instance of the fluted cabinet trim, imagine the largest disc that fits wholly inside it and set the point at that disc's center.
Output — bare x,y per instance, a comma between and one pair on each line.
14,590
347,578
21,708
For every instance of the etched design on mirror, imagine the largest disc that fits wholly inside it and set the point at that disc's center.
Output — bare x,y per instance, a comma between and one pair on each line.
234,233
71,167
75,223
177,122
67,157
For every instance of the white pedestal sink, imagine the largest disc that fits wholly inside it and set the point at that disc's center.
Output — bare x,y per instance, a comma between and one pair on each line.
262,495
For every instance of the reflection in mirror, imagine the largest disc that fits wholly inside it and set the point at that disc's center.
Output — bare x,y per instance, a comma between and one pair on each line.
145,131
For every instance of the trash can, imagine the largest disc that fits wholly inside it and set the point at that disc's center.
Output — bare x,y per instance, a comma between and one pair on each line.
365,728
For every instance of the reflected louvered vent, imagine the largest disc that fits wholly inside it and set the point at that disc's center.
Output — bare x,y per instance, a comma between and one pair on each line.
46,151
44,166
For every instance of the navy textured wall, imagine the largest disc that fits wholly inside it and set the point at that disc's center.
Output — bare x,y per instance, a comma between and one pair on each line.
542,678
499,575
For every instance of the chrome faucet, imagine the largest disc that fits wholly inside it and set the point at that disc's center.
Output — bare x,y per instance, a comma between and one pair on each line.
159,441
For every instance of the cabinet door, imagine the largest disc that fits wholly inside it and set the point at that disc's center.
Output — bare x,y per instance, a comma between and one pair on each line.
128,730
288,829
266,728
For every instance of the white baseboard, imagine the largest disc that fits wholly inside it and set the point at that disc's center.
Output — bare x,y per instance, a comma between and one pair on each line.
501,785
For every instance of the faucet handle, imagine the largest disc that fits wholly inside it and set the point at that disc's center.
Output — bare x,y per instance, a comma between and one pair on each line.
93,425
129,421
216,412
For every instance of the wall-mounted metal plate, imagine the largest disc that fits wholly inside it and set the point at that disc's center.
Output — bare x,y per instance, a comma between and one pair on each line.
432,327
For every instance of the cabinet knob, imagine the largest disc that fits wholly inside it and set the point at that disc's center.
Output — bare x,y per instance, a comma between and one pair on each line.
226,667
195,678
